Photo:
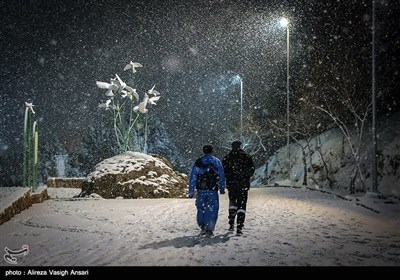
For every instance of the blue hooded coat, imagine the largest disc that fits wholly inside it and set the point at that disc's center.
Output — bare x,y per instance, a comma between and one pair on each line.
207,200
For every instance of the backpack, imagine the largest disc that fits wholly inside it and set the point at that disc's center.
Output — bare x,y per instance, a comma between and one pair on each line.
208,179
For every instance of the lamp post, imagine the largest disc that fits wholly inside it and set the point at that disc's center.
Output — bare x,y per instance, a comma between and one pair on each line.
374,139
237,77
241,109
285,23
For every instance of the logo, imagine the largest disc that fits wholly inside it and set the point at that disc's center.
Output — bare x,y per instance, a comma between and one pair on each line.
9,256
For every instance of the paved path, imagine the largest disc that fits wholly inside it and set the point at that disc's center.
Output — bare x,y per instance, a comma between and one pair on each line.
284,227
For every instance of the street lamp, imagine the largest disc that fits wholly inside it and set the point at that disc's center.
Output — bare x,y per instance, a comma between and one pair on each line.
236,78
285,23
373,89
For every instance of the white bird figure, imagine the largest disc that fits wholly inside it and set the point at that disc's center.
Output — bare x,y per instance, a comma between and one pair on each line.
142,105
109,87
132,65
106,104
103,85
109,93
30,106
152,100
122,84
126,94
119,82
114,81
153,91
132,93
141,108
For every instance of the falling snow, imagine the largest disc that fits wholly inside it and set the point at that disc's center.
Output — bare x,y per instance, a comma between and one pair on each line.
224,70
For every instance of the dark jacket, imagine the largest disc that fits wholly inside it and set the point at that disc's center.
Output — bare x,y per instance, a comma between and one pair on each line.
238,168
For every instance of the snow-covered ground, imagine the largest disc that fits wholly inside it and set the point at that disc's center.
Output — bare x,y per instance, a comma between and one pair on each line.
284,227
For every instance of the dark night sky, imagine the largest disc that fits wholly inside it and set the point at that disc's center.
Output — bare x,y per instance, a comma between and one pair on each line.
53,52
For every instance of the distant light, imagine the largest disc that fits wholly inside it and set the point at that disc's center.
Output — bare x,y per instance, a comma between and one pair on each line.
284,22
236,78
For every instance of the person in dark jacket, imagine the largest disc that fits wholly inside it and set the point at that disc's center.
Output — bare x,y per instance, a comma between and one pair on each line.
207,177
238,168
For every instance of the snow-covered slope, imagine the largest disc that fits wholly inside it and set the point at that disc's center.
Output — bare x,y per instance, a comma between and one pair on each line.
336,154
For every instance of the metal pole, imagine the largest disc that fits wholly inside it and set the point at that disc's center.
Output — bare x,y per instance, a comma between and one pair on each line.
241,109
287,97
374,139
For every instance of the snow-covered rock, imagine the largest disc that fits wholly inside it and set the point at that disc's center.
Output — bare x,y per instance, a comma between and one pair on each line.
136,175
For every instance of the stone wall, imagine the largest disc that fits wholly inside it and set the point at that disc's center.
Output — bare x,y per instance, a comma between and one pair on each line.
22,202
61,182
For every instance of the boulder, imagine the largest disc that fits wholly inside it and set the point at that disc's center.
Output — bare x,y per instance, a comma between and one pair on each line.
136,175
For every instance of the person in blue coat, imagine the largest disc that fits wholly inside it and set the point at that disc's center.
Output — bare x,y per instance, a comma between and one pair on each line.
207,177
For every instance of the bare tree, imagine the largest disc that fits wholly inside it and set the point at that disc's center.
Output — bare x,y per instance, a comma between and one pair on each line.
253,138
352,113
301,135
254,134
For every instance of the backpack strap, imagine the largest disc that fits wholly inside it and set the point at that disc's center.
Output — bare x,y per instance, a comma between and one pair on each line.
199,163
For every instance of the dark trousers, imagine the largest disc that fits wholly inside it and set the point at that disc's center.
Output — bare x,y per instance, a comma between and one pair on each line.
237,206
